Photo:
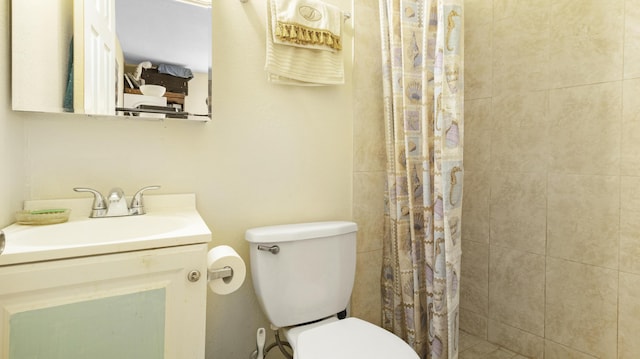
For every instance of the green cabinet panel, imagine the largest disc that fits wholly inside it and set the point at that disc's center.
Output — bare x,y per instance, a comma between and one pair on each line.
124,326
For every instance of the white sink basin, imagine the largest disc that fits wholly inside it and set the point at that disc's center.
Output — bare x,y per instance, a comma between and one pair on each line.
173,221
95,231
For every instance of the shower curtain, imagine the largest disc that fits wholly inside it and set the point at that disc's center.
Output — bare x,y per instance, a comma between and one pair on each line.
422,50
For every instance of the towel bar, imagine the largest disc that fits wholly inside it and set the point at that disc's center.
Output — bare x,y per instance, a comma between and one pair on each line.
347,15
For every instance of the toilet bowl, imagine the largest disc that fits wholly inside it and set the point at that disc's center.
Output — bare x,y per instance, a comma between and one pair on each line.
304,273
350,338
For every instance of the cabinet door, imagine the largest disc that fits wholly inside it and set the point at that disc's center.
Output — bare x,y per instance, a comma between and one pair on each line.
129,305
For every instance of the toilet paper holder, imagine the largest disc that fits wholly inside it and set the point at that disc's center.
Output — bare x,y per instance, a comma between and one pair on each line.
220,273
225,270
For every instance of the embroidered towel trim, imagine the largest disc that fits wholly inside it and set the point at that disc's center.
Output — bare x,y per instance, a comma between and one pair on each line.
307,23
293,64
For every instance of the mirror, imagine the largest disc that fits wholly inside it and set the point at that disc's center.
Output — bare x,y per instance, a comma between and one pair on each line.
68,57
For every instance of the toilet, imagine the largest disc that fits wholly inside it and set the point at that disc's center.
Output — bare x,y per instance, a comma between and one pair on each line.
303,276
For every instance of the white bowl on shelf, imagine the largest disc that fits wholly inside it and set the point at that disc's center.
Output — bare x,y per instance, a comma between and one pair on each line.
153,90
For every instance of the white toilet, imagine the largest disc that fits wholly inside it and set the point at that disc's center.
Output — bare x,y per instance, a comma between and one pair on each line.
303,276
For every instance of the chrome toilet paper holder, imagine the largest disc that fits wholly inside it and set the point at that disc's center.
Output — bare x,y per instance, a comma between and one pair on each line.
220,273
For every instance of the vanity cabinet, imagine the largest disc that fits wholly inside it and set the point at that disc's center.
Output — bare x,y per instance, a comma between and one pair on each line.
140,304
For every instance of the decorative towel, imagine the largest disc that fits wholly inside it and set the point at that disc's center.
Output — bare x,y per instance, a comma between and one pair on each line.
304,43
311,24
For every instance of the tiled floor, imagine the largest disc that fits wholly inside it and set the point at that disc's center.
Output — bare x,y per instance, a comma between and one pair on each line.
472,347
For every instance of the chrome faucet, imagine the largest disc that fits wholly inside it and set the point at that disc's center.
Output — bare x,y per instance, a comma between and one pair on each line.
116,203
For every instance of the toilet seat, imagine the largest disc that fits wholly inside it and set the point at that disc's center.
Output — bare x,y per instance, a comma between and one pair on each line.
349,338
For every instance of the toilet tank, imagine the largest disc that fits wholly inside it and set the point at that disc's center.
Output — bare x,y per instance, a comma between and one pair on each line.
312,274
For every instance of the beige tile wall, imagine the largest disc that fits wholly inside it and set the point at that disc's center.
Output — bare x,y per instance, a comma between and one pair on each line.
369,161
551,218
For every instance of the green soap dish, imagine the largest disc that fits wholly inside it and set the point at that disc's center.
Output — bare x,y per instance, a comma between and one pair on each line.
43,216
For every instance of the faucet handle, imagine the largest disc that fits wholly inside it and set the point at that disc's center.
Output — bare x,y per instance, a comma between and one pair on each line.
99,207
115,195
137,207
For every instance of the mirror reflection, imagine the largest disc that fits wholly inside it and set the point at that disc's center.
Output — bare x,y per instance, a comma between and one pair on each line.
143,58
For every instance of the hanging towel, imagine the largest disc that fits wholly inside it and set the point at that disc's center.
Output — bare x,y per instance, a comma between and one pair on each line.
67,103
304,43
307,23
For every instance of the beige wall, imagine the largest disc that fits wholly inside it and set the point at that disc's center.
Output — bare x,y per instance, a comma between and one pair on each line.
369,161
12,172
271,154
551,235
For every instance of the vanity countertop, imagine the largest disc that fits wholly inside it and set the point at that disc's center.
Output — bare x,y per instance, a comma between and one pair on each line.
171,220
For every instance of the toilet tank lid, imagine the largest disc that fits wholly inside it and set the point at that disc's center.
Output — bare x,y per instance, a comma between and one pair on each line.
299,231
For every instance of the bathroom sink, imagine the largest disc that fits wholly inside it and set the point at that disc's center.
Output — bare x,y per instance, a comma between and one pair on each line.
90,232
171,220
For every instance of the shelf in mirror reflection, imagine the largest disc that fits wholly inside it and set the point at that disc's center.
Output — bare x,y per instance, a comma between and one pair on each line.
162,112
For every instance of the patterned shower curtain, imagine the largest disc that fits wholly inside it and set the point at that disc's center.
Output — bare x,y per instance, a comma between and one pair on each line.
422,49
